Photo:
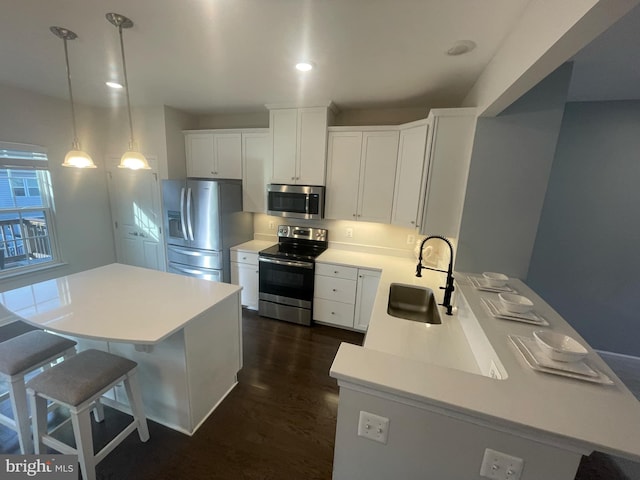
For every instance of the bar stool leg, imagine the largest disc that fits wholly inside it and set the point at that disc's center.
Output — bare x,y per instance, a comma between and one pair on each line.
98,411
39,421
135,402
81,421
18,396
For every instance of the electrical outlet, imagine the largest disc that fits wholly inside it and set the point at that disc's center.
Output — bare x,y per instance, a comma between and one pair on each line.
500,466
373,427
411,239
349,233
272,225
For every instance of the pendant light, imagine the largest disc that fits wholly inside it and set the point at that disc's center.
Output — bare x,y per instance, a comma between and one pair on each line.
75,157
131,159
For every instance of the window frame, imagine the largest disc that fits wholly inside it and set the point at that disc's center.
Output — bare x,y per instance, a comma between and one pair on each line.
24,157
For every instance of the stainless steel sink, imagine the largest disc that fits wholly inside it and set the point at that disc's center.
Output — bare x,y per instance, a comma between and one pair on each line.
413,303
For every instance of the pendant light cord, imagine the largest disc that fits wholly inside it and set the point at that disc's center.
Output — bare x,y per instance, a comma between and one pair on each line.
126,87
76,145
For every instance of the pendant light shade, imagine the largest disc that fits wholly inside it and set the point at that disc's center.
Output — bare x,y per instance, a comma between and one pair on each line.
76,157
132,159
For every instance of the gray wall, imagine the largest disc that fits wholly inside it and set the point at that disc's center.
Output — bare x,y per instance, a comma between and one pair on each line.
586,262
510,166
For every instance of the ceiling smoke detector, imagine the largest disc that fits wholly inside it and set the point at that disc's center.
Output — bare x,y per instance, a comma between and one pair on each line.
461,47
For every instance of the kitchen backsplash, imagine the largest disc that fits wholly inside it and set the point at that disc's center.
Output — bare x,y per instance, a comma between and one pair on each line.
362,236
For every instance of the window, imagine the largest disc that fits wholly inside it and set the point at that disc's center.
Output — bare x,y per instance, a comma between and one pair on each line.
27,233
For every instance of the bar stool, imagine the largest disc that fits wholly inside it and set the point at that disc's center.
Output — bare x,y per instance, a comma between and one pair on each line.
77,384
19,356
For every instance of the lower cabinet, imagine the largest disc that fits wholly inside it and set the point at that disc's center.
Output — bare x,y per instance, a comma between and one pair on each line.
344,296
244,272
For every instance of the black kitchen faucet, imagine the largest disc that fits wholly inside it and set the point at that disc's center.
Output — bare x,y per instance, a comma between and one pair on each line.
449,288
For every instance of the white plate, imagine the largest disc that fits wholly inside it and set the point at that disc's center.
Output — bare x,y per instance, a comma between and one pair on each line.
519,343
481,284
497,311
543,360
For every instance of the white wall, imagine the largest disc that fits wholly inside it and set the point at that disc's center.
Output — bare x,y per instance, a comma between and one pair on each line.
175,121
510,167
83,221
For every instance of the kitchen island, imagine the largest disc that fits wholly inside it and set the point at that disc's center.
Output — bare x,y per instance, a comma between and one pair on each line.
185,333
451,391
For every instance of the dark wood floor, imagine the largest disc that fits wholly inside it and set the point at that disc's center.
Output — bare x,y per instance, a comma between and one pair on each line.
277,424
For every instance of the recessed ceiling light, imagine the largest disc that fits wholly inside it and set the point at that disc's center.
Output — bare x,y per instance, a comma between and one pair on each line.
304,66
461,47
115,85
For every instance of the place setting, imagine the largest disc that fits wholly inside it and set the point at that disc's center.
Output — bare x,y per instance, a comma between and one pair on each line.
514,307
558,354
491,282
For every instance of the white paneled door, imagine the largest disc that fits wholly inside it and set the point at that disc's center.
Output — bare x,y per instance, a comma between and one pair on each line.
136,216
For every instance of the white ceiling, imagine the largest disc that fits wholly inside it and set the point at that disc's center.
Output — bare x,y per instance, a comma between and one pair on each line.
237,55
219,56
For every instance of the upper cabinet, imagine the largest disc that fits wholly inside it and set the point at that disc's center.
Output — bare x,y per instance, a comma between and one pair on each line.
214,154
409,174
256,165
448,156
299,145
361,173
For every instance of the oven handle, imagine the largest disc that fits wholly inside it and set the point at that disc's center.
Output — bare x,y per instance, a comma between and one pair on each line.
287,263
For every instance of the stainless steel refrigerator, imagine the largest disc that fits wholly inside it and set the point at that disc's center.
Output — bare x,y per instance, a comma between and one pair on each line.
202,219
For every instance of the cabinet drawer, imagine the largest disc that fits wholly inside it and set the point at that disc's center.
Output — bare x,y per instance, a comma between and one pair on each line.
339,271
244,257
337,289
335,313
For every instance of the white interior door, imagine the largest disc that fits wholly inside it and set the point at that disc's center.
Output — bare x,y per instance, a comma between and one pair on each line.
137,216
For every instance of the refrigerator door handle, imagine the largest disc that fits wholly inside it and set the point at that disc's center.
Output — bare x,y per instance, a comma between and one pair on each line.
182,219
189,227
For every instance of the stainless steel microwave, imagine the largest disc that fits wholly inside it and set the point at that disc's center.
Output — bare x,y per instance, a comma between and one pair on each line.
296,201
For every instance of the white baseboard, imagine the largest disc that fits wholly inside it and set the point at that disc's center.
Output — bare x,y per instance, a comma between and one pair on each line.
628,358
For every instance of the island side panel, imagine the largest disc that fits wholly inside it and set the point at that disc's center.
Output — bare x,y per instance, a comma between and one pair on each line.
214,356
162,374
425,444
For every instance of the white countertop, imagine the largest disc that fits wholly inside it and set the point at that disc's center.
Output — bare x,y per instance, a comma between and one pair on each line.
422,364
116,303
253,246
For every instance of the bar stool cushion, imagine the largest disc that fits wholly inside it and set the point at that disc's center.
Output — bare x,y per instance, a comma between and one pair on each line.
13,329
31,348
81,376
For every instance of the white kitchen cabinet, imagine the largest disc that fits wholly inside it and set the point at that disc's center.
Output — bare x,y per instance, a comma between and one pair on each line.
244,272
256,168
214,154
344,296
368,281
299,145
361,173
409,174
448,156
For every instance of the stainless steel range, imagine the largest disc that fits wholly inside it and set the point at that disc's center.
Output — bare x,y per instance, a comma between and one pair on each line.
287,271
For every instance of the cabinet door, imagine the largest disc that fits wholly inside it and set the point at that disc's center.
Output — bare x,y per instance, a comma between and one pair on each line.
200,155
284,131
449,159
343,175
366,289
377,176
227,155
246,276
312,146
406,193
256,171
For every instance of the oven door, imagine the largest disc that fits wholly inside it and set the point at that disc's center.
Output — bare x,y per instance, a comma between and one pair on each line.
288,282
